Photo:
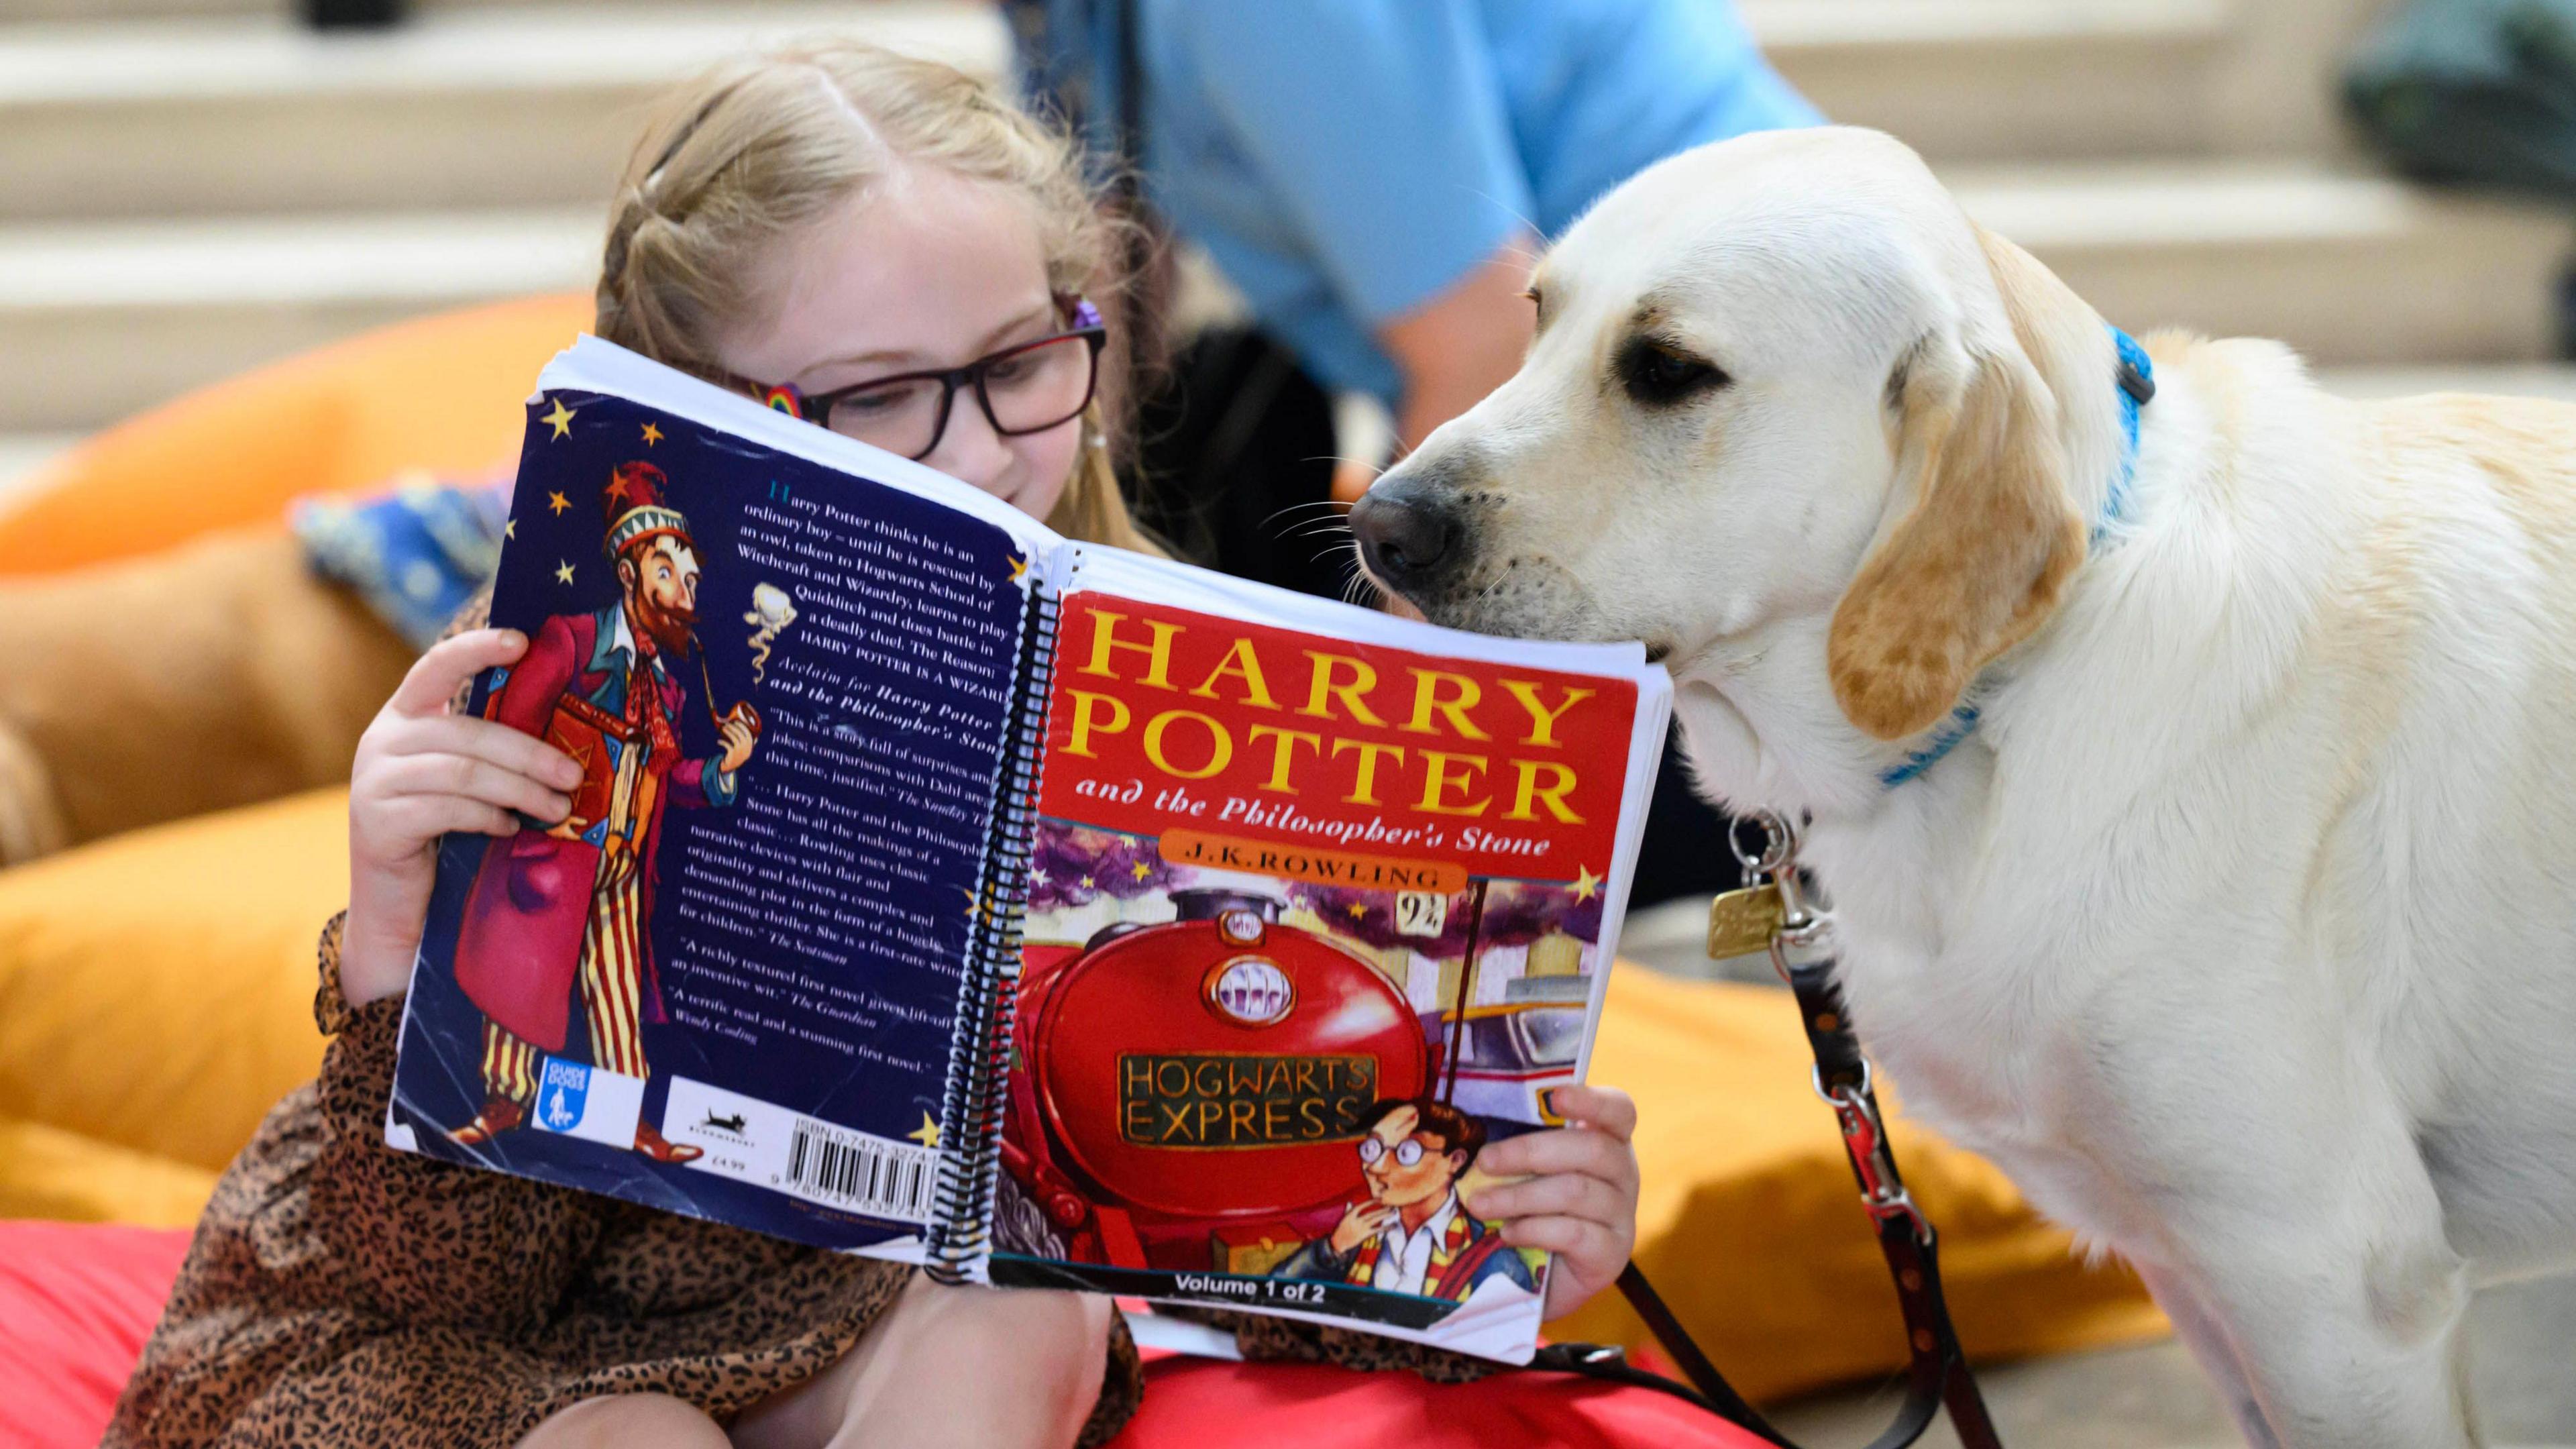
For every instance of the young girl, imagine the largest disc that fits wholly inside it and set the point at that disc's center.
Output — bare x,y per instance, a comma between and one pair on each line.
819,219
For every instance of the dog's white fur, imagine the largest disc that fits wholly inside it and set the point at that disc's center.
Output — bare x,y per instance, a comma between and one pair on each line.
2242,933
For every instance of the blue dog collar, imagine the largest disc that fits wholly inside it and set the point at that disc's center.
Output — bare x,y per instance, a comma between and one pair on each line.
2137,377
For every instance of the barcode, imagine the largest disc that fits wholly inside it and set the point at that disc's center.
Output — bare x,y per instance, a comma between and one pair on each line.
864,1174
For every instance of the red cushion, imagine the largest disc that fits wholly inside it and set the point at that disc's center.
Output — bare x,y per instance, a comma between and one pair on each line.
1205,1404
77,1300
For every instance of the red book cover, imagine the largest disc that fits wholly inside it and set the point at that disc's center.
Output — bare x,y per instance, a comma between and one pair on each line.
1310,921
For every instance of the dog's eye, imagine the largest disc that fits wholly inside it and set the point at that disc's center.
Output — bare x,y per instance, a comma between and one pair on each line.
1659,376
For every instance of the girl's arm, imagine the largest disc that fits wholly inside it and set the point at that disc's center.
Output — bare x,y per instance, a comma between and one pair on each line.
422,1241
419,1241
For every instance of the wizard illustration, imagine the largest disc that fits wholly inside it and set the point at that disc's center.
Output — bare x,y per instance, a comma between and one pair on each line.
566,910
1411,1234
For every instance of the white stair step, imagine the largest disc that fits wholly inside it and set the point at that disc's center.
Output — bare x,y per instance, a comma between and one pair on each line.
23,457
98,320
492,105
2027,79
15,12
2348,268
463,107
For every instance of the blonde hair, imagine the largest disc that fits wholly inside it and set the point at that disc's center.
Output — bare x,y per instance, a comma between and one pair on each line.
761,144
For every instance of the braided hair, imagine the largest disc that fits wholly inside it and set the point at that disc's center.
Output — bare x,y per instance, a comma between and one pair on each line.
762,144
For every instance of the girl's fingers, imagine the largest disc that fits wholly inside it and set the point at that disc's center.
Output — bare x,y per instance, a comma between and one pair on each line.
498,744
427,817
1564,1149
474,779
1580,1239
436,675
1605,1108
1564,1194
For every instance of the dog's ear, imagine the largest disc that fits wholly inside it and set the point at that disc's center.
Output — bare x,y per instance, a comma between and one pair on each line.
1980,557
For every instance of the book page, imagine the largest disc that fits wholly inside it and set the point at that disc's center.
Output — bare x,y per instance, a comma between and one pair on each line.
1323,903
725,985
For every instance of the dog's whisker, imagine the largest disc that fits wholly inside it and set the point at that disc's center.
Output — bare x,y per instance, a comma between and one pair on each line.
1275,515
1518,251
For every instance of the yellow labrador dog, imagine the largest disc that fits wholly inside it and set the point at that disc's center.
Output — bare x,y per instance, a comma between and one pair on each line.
2200,817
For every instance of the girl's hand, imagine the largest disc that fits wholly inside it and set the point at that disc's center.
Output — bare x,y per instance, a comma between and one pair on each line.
1580,1198
420,773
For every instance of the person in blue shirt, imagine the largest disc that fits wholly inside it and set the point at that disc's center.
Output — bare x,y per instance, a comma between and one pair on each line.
1374,176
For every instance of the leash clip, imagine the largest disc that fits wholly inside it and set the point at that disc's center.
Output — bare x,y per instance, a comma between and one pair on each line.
1882,1193
1774,868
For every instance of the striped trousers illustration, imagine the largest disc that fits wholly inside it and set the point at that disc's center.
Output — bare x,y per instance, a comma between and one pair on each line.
612,998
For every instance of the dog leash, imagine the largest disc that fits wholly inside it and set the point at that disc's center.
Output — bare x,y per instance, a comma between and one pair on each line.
1773,911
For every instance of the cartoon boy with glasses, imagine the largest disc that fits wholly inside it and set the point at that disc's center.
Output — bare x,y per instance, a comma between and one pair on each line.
1411,1234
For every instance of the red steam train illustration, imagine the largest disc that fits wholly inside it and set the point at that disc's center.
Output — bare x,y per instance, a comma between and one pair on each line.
1198,1087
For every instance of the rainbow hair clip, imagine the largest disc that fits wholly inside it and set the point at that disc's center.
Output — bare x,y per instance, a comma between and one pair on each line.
785,398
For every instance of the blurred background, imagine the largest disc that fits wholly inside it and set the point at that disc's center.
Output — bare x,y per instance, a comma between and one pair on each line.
190,187
194,189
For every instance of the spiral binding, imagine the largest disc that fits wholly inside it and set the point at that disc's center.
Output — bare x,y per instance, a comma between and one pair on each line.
970,1116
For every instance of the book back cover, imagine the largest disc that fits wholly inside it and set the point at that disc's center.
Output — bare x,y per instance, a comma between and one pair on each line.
725,985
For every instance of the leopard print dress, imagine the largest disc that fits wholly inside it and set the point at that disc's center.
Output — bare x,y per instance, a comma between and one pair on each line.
341,1293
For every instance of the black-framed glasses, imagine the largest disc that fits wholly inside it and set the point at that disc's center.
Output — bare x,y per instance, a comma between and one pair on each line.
1024,389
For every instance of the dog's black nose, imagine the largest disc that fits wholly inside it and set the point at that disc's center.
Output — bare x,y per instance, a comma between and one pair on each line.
1405,537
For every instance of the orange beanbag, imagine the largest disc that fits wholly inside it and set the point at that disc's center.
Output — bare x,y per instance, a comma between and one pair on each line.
128,628
156,998
1748,1222
441,394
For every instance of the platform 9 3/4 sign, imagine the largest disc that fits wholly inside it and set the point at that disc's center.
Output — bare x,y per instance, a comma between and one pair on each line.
1421,913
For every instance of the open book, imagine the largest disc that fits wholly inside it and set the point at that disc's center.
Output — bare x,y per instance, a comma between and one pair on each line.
943,889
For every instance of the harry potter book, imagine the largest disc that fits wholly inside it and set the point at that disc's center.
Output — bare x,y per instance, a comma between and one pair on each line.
940,888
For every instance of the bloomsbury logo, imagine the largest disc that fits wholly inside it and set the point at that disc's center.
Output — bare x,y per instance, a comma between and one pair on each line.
732,1127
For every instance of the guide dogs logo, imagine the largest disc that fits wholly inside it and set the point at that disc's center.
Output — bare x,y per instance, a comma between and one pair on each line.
575,1099
562,1095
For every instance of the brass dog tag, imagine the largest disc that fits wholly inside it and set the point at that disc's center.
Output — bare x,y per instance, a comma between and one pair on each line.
1741,922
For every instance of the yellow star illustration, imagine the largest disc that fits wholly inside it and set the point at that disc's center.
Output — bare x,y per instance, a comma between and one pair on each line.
970,903
510,529
1357,910
1019,569
560,419
1140,870
928,1135
558,503
652,435
1086,883
1586,884
563,572
616,487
